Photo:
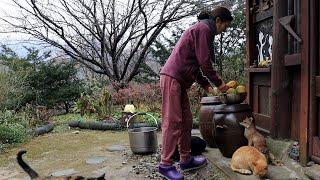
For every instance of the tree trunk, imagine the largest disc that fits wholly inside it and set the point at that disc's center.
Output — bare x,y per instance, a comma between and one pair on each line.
66,104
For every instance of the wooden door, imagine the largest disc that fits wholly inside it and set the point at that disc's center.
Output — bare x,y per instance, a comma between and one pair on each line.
259,23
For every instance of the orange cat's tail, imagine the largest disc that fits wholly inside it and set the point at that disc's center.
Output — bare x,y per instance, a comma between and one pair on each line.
241,171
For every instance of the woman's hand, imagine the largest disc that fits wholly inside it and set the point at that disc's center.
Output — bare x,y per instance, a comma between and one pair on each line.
210,90
224,88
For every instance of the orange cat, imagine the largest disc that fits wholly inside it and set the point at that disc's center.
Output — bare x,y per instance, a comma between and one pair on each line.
248,159
258,141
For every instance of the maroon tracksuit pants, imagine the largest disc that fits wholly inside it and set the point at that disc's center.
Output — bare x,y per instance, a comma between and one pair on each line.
176,120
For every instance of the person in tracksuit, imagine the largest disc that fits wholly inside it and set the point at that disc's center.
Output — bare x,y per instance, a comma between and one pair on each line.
190,61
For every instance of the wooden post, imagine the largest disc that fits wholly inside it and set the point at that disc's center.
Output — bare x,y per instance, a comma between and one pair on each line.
313,73
280,90
249,47
305,83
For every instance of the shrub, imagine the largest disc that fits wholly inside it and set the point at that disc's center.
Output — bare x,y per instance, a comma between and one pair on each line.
12,128
12,133
11,117
195,93
36,115
100,103
147,97
12,90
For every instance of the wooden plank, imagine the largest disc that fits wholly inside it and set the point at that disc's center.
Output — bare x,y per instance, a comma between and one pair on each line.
290,38
317,86
263,15
292,59
316,159
262,121
304,111
263,131
280,98
262,79
249,88
314,81
295,102
255,93
264,100
316,146
259,70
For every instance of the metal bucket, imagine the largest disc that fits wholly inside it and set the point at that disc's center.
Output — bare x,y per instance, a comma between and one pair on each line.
143,140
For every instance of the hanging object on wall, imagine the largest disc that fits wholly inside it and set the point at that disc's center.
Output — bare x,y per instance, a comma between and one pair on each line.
261,45
266,4
259,6
270,46
263,59
285,22
255,6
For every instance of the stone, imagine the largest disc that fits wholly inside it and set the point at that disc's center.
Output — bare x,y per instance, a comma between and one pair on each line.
195,132
101,171
311,163
66,172
313,172
115,148
96,160
279,172
7,174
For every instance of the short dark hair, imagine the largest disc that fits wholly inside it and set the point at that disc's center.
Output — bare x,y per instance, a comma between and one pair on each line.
223,13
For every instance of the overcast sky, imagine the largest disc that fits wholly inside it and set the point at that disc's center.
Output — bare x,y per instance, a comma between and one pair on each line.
14,39
11,39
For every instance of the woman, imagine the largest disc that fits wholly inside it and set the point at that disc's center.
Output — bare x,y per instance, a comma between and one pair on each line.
190,61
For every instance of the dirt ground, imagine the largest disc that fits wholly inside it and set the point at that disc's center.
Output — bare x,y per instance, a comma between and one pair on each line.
73,151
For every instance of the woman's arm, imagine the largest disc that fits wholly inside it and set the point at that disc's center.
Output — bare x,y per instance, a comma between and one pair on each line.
202,40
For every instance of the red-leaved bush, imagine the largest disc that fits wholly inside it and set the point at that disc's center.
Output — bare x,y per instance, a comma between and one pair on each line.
148,97
145,96
195,93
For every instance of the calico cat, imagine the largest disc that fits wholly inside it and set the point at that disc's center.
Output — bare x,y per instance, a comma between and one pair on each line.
258,141
34,175
255,139
248,159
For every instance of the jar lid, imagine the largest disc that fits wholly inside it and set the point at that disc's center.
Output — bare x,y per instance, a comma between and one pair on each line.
211,100
225,108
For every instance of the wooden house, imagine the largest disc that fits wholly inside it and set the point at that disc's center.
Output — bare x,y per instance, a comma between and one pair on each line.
285,97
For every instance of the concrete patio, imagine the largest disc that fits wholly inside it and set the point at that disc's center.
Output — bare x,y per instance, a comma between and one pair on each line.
290,170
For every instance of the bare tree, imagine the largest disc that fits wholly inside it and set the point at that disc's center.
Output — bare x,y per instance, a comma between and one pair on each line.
109,37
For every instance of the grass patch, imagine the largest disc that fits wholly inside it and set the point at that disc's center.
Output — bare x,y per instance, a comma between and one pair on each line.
61,121
65,118
67,145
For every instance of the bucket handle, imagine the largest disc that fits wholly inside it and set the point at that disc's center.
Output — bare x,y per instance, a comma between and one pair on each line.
141,113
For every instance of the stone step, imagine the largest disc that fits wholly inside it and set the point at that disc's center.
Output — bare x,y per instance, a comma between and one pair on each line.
280,148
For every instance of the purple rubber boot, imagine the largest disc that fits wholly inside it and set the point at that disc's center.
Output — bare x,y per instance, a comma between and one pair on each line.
169,172
194,163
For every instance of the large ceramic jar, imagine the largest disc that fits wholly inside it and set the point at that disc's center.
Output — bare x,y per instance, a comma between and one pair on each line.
226,132
206,117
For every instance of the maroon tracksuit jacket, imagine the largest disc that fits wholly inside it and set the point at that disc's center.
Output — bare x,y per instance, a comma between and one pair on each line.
192,53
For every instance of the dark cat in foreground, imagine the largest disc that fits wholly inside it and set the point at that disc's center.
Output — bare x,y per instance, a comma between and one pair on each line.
34,175
198,146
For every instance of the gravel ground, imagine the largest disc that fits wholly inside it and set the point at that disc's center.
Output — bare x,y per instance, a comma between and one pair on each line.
145,167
